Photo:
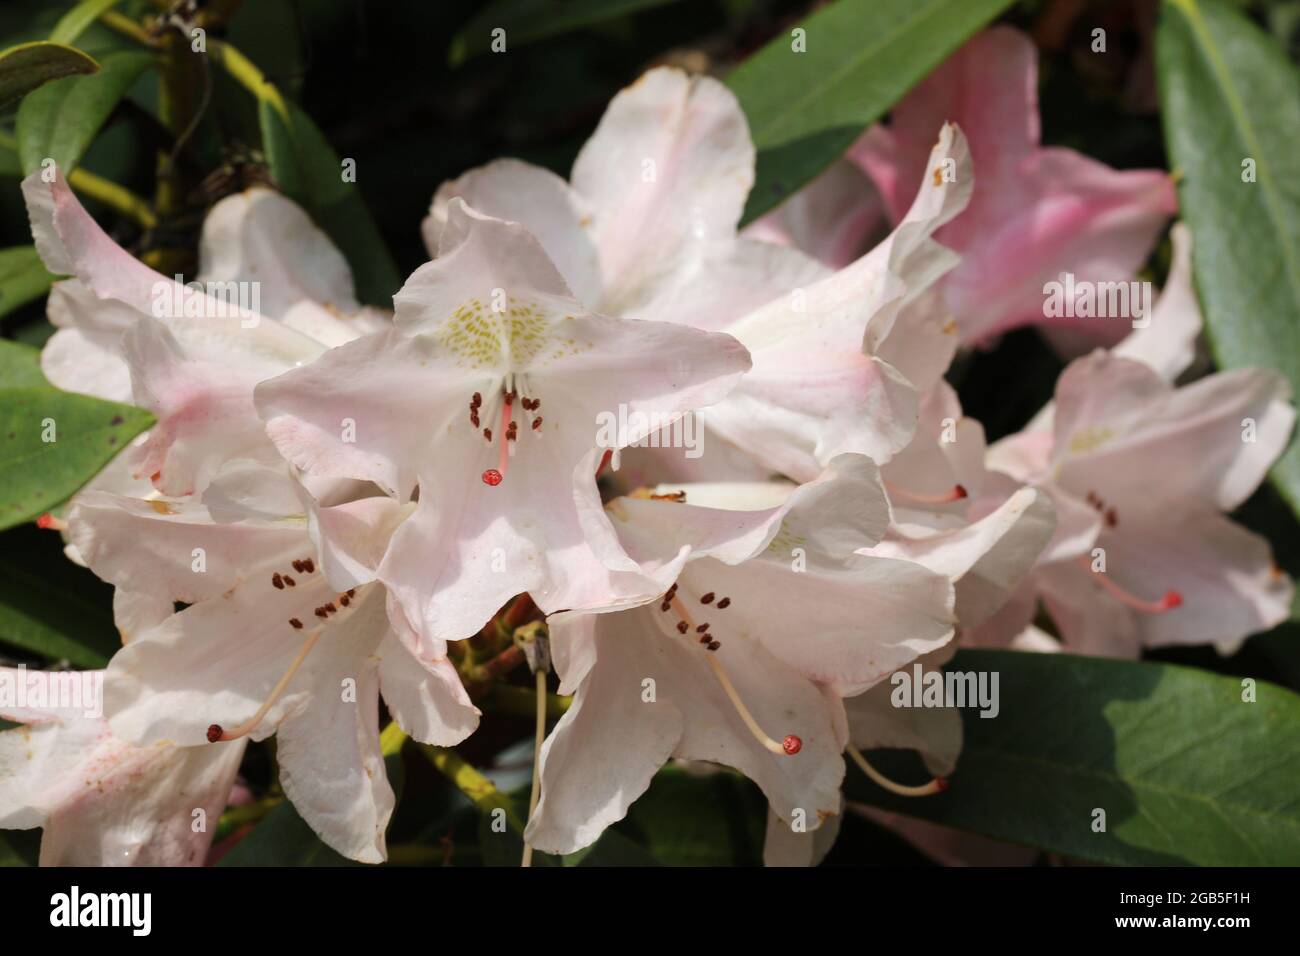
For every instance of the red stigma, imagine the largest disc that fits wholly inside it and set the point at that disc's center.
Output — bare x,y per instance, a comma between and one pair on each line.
941,783
45,521
959,492
492,477
214,733
1171,600
792,744
604,460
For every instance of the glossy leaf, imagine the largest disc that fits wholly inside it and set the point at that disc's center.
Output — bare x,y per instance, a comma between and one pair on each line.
59,120
860,57
53,442
1231,110
27,66
1185,770
22,278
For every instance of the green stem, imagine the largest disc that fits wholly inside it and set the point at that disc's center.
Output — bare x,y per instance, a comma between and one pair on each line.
121,23
236,817
246,73
482,792
105,190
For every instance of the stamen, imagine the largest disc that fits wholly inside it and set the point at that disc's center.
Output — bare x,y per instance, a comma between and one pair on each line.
955,493
1170,600
48,522
217,732
791,744
937,785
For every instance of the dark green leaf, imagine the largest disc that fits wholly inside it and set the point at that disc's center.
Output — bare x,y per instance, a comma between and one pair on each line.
20,365
1230,98
22,278
35,473
1185,770
283,838
19,847
527,21
51,607
27,66
310,173
861,56
59,120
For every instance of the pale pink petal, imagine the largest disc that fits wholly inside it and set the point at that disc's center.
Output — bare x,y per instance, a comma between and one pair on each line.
425,696
539,200
670,164
1119,426
259,236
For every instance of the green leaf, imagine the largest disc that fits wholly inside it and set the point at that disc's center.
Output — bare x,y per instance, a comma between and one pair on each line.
51,607
27,66
309,172
73,23
685,819
19,847
59,120
20,366
1230,95
1185,770
283,838
36,474
861,56
527,21
22,278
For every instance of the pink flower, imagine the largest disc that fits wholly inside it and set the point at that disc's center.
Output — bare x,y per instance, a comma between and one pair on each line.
1035,213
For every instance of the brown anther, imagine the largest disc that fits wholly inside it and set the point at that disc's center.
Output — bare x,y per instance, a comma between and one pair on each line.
714,645
510,398
724,603
321,612
707,599
473,418
297,565
537,423
277,581
297,624
677,496
666,605
309,565
1112,518
330,608
512,431
352,592
344,600
290,581
476,401
681,627
214,733
487,433
702,628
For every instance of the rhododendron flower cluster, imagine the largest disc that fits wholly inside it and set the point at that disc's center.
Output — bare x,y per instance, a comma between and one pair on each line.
347,527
